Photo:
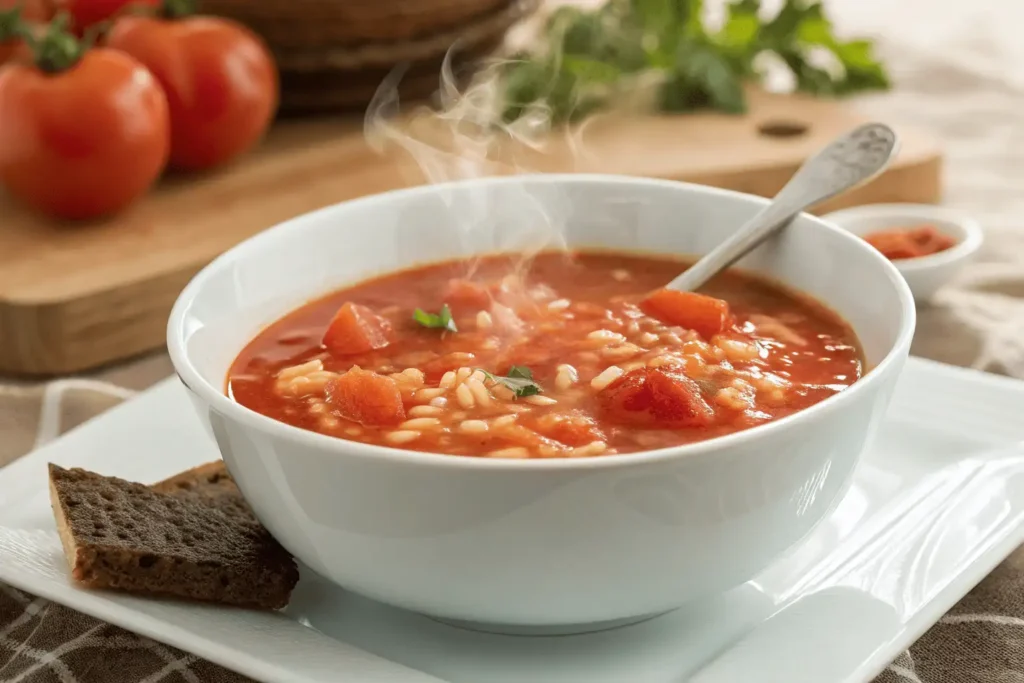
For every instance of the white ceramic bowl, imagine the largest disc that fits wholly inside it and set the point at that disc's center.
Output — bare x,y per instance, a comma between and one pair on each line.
927,274
560,544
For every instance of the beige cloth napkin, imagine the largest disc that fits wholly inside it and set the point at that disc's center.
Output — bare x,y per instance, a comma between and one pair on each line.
954,76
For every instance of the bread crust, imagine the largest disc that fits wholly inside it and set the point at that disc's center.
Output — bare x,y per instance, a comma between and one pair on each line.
191,536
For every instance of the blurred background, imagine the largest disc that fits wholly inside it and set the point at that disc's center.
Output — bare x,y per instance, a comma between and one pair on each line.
93,253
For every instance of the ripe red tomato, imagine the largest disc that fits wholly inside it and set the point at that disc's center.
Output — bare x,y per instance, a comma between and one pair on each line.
86,13
85,141
31,11
220,79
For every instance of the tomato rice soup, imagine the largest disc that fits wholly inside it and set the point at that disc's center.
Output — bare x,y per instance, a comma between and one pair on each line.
570,355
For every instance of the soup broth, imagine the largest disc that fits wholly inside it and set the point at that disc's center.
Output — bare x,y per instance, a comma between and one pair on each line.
570,355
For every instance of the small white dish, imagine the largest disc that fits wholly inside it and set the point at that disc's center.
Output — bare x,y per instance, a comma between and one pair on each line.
927,274
935,504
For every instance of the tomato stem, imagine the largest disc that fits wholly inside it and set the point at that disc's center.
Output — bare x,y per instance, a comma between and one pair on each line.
178,9
11,25
57,49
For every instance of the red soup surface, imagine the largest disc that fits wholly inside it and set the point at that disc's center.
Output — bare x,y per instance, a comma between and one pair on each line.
570,355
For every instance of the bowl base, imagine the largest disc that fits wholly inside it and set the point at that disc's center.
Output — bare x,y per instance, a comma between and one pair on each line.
547,630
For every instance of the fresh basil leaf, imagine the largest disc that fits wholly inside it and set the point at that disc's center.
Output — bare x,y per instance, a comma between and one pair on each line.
857,54
655,14
801,27
739,31
442,320
863,71
678,94
815,29
519,380
704,77
591,70
809,78
715,76
581,33
520,372
525,81
591,58
563,94
785,26
745,6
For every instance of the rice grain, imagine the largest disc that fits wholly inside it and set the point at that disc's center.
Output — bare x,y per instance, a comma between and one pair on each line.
401,436
465,397
516,452
608,376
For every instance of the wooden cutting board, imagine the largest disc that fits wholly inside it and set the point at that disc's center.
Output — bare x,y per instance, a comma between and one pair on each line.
73,297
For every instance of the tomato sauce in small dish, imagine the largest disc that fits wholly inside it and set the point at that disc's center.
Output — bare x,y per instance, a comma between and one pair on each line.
912,242
570,355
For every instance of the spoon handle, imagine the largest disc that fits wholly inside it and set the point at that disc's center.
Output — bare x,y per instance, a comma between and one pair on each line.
846,162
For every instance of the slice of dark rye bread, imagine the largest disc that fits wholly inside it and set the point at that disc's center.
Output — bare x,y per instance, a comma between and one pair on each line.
209,479
126,536
211,483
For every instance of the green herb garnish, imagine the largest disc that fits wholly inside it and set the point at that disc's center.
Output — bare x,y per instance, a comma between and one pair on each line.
519,380
588,58
442,320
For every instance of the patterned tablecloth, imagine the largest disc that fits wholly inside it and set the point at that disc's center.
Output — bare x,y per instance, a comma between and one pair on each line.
956,69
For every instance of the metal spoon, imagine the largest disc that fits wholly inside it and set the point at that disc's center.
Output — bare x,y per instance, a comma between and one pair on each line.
846,162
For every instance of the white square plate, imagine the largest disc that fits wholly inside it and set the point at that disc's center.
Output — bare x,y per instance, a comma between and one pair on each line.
935,505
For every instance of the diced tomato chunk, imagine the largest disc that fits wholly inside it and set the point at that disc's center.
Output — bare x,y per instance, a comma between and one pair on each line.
356,329
466,295
366,397
706,315
676,399
575,429
626,395
655,397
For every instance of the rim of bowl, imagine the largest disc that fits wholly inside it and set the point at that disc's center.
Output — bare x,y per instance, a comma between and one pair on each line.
217,399
965,247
